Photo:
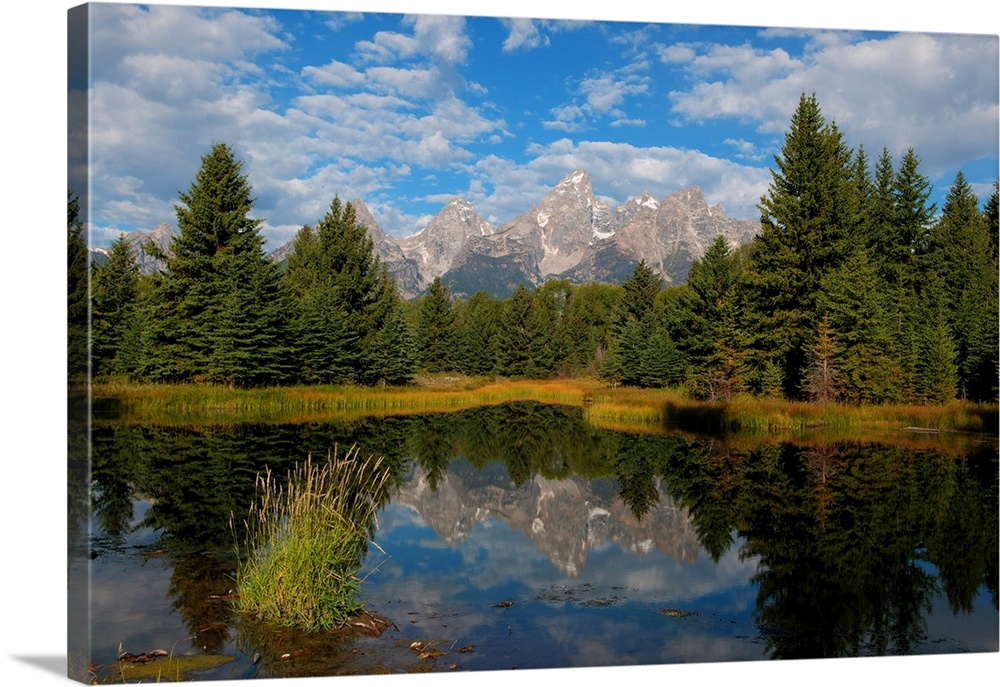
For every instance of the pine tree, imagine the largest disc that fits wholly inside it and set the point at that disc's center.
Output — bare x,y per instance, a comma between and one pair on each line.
913,214
77,294
632,327
322,340
216,313
822,383
518,337
850,299
938,372
882,240
436,329
992,213
478,337
709,333
638,295
961,256
250,345
346,309
862,198
806,219
114,294
395,354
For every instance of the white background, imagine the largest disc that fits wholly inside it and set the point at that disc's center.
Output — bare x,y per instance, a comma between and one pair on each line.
32,170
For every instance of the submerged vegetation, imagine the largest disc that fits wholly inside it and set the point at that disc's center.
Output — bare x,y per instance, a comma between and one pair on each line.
305,540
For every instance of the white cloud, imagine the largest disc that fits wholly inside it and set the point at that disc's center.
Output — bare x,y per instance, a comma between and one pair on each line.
440,38
336,74
523,34
604,92
185,32
934,92
528,34
618,171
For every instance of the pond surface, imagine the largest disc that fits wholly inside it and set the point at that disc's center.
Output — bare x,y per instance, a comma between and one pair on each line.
519,536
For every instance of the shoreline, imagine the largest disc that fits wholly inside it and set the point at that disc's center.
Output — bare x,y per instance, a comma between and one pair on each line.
626,408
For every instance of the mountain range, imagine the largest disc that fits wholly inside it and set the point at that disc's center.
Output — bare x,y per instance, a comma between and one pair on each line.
570,234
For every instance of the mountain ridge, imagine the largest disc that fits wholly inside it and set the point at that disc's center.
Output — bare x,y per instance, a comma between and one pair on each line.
569,234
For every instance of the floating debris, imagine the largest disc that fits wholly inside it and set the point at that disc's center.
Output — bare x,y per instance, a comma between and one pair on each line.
425,651
369,623
504,604
128,657
676,613
225,595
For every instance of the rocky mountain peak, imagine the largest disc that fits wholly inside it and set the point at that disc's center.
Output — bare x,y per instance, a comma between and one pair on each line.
435,247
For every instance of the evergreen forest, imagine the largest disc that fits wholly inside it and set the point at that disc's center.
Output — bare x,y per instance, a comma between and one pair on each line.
858,290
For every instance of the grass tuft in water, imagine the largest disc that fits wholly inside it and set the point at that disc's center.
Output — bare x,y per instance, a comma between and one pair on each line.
305,540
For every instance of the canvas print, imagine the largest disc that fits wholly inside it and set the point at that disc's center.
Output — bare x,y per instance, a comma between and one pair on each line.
461,344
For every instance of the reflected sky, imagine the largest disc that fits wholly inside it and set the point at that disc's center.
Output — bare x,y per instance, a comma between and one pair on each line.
614,610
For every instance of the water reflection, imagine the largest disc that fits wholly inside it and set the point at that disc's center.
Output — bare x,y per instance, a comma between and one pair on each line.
779,550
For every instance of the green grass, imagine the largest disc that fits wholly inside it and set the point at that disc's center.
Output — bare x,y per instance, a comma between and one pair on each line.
305,539
622,408
201,404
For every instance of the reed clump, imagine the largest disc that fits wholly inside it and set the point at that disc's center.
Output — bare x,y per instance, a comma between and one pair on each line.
305,539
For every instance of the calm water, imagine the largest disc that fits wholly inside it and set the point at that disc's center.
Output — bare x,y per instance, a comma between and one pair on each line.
518,536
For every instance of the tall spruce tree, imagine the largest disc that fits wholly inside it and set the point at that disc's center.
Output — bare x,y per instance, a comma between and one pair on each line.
321,339
853,308
478,326
395,351
77,294
992,213
914,213
519,336
960,256
807,216
115,291
631,326
709,338
881,235
346,312
638,295
938,376
216,313
436,334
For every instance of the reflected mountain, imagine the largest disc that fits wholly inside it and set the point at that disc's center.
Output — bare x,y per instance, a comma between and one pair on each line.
564,518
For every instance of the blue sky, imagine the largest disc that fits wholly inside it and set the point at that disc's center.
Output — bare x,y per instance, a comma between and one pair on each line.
407,111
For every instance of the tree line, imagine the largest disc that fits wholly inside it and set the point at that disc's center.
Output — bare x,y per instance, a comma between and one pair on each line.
856,290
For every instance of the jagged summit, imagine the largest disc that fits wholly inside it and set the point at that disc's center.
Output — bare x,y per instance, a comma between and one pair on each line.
570,234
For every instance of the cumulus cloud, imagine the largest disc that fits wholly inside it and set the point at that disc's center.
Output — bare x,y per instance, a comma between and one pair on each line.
208,33
524,34
618,171
335,73
621,170
600,95
441,38
605,92
900,91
